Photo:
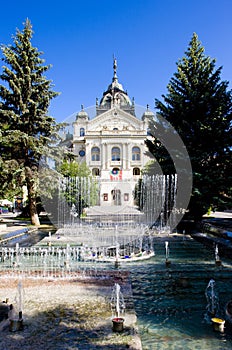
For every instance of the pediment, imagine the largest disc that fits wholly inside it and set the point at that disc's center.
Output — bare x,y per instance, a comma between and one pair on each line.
114,118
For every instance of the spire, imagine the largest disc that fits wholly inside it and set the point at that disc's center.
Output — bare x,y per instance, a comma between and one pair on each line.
115,96
115,78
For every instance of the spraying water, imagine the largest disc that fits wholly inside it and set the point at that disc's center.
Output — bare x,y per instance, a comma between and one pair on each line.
166,250
212,300
117,301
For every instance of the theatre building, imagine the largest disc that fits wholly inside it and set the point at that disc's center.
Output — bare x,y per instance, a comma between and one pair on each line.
112,143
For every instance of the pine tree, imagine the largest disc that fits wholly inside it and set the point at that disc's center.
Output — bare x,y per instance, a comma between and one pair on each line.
199,106
25,125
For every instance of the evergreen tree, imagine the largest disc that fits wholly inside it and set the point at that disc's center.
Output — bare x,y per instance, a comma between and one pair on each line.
25,95
199,106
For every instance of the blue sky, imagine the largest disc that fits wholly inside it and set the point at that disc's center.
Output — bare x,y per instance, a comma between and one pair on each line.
148,37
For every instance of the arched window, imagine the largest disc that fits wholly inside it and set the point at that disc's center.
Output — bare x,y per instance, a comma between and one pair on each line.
95,154
135,153
82,132
136,171
95,172
115,154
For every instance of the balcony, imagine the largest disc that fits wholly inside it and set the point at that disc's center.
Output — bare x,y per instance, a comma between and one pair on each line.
115,163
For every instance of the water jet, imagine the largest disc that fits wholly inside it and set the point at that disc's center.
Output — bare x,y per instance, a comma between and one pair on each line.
167,261
217,258
117,307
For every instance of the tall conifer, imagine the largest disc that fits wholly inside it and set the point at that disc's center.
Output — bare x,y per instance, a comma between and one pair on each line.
199,106
25,96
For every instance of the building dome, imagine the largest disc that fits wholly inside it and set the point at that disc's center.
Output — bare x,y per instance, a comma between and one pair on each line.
82,114
148,114
115,96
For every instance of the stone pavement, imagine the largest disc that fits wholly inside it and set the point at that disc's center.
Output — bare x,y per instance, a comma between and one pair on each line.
68,314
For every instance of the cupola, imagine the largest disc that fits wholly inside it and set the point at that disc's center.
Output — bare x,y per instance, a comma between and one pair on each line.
115,96
82,114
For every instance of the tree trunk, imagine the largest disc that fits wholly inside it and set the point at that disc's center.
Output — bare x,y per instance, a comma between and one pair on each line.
33,211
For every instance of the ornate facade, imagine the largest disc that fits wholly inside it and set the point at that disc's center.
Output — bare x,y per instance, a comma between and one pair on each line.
113,144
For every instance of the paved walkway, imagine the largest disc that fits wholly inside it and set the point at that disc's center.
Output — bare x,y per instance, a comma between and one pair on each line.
9,223
11,227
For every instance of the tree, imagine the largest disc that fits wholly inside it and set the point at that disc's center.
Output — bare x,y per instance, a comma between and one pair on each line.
26,128
199,106
72,169
79,188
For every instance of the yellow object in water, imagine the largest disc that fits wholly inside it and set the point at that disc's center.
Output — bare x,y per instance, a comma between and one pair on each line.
217,320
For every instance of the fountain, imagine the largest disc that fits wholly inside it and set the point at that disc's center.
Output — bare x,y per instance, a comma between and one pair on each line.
217,258
117,307
155,206
167,261
213,307
16,324
165,307
67,260
17,254
218,324
212,300
163,303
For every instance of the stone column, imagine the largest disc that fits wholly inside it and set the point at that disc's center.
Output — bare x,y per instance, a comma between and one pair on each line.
103,156
108,156
128,156
124,157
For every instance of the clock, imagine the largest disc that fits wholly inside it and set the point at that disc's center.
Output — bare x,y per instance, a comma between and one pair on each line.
81,153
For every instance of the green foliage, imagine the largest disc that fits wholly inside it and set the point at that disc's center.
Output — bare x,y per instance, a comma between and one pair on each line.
25,126
199,107
73,168
80,190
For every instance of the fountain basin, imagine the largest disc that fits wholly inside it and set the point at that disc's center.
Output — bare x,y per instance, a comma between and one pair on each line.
118,324
16,325
218,324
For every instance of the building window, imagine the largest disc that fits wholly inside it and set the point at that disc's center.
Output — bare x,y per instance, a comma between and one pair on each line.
135,153
105,197
82,132
126,197
136,171
95,154
95,172
115,154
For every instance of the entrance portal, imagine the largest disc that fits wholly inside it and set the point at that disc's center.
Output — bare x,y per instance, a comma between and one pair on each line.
116,197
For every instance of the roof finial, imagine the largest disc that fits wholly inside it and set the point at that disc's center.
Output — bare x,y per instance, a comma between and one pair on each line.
115,69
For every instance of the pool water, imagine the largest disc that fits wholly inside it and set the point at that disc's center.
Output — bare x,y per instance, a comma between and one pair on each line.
170,302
